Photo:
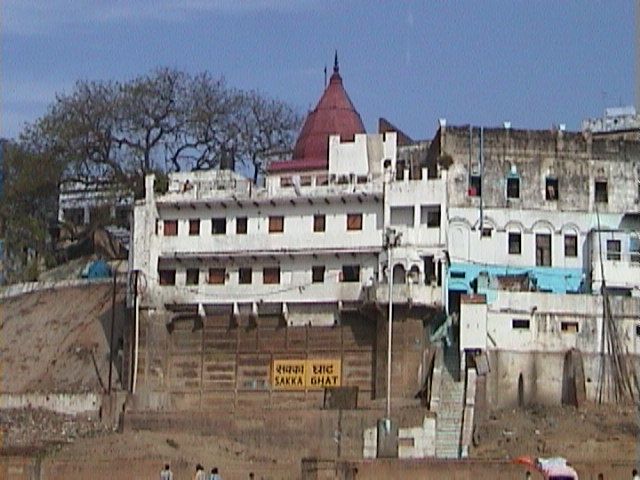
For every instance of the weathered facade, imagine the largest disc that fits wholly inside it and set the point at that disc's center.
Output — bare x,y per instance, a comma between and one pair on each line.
233,278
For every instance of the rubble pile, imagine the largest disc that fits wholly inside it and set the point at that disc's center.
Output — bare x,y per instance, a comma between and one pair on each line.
38,428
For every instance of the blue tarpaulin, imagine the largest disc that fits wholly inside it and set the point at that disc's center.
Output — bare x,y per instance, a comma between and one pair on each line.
97,269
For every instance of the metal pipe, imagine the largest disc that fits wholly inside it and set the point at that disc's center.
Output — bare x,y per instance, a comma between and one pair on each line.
481,175
136,331
113,320
390,321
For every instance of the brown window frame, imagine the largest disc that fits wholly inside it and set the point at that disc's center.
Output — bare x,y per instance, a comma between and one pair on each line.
170,228
276,224
192,276
271,275
217,276
242,225
167,276
319,223
354,222
194,226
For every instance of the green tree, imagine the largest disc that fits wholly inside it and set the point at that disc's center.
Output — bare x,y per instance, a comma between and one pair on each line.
29,206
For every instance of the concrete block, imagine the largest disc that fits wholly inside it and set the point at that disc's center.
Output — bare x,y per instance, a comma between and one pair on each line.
370,443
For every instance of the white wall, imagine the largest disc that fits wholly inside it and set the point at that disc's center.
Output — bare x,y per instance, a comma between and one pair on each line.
620,273
467,245
473,326
546,312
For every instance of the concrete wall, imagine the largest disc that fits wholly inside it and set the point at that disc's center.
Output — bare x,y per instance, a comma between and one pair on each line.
66,403
577,160
529,334
226,365
24,288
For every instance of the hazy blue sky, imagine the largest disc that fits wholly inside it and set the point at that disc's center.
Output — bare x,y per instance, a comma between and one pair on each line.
535,62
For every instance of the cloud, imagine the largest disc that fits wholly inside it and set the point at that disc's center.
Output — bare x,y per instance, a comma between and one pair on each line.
34,17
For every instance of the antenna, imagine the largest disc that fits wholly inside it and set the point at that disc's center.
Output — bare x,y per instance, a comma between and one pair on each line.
325,76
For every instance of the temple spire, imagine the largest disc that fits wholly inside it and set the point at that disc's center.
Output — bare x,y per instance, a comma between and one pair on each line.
336,68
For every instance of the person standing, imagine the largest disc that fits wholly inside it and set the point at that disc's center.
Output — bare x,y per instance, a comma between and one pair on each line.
200,474
214,474
166,474
635,475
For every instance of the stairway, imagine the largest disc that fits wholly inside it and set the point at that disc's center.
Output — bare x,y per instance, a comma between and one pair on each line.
450,409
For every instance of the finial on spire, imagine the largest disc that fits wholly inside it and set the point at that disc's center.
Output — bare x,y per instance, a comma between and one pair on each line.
336,69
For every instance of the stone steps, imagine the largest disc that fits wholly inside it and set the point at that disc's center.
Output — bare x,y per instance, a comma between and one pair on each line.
450,412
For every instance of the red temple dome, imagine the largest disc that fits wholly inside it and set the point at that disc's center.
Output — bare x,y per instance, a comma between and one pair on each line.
334,115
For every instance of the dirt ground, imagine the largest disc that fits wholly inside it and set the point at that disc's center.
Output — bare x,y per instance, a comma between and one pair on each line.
56,340
592,433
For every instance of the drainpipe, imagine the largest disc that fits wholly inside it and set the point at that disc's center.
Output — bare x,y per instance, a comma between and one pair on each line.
136,312
481,175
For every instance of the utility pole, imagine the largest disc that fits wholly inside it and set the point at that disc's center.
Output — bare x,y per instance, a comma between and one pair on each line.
392,240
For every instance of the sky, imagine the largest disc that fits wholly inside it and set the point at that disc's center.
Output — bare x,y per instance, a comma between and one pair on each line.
534,63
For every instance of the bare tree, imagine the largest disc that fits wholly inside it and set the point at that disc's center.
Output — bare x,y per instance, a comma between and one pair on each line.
163,121
77,130
151,117
267,127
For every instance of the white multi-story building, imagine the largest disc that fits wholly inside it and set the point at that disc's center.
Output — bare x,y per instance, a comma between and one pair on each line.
306,245
298,267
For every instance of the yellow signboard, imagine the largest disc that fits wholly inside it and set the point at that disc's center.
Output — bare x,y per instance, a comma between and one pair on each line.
323,373
288,374
311,374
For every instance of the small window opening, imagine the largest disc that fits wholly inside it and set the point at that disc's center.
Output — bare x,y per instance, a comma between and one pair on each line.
475,186
515,243
317,273
569,327
244,276
354,221
193,276
350,273
241,225
276,224
520,324
319,223
613,249
271,275
513,187
194,226
570,245
602,194
551,189
218,226
217,276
